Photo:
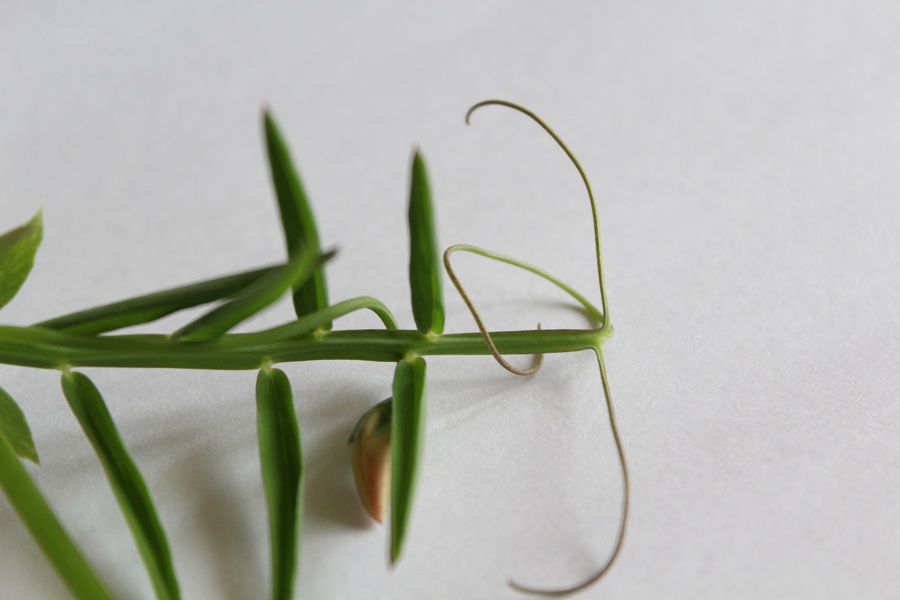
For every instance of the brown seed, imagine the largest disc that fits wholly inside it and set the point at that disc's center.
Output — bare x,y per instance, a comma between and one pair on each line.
370,454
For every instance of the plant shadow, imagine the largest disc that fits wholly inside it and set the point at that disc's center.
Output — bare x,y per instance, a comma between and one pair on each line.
225,535
184,466
330,491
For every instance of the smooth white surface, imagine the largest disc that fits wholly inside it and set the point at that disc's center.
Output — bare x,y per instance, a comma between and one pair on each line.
745,157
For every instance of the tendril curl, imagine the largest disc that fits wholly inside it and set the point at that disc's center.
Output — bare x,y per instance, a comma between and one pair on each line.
603,331
587,184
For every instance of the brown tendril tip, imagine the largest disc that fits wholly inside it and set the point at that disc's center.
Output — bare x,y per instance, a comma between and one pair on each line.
626,495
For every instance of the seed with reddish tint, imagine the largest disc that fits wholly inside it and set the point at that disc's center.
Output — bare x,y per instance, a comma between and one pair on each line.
370,454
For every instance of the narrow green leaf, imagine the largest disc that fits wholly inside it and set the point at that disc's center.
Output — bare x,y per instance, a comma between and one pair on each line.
15,428
38,517
424,257
253,298
17,250
297,218
148,308
282,473
125,480
407,446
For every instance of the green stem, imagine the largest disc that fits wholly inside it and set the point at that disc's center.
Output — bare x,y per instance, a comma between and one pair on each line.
41,348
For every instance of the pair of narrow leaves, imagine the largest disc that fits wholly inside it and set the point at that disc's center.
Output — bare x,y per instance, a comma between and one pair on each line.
282,473
124,478
407,422
402,432
300,230
403,420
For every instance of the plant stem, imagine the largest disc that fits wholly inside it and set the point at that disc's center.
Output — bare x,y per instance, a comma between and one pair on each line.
41,348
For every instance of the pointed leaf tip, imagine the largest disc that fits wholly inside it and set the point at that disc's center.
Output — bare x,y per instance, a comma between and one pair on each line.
17,250
14,427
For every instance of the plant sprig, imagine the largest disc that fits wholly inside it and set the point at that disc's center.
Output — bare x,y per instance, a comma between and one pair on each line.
90,338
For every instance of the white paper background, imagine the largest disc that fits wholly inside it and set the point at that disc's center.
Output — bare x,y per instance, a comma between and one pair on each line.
746,161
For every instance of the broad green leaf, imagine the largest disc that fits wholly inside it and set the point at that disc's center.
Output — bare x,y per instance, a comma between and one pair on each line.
38,517
282,472
297,218
15,428
424,257
125,480
407,446
148,308
253,298
17,250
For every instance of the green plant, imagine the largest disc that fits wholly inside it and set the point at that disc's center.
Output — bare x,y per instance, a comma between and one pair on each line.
396,426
